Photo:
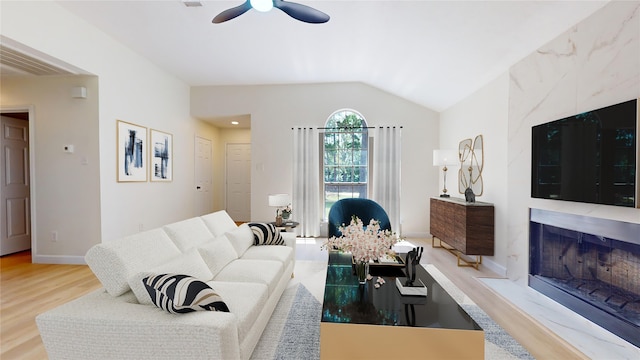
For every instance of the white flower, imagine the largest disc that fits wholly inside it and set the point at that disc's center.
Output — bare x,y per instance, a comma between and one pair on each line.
364,243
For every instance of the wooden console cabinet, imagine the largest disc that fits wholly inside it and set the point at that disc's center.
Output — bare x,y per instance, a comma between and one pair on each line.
468,228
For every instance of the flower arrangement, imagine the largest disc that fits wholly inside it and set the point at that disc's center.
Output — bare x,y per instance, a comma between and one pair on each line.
286,212
365,243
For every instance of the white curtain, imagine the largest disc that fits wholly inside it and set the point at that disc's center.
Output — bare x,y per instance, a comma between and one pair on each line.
306,177
386,172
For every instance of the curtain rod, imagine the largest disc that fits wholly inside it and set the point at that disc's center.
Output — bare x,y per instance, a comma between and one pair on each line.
358,127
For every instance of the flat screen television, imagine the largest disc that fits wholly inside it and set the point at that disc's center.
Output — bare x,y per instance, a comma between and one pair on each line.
589,157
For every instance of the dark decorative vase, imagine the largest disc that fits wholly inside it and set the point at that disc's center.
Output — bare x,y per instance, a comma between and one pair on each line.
469,196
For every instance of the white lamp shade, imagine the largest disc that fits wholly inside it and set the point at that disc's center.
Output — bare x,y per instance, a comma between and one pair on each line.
445,157
279,200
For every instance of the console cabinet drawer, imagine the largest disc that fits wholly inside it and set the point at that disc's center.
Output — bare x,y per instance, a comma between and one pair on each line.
467,227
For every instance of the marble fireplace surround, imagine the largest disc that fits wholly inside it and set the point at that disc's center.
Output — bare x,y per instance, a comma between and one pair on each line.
592,65
590,265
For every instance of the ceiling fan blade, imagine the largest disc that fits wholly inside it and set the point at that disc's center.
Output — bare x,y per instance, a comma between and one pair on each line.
301,12
232,13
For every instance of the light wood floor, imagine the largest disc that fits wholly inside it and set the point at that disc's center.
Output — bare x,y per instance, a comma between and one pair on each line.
30,289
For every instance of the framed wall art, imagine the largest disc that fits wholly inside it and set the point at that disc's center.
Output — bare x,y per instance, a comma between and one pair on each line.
161,156
132,152
471,154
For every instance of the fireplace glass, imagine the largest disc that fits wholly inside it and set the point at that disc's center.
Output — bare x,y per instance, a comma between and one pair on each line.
579,263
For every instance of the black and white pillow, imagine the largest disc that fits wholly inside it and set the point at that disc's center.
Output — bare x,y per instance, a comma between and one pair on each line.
182,294
266,234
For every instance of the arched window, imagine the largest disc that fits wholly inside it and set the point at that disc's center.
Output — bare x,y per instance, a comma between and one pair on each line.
345,158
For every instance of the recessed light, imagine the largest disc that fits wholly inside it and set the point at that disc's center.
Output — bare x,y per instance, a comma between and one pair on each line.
234,123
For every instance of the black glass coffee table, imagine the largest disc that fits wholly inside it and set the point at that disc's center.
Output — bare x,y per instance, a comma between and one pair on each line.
364,322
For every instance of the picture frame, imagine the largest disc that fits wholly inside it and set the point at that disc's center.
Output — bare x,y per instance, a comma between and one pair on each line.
131,145
161,156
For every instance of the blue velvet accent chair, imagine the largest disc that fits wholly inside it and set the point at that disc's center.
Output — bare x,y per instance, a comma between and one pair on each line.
343,210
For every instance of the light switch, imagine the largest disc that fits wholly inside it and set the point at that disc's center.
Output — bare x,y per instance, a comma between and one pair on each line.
68,149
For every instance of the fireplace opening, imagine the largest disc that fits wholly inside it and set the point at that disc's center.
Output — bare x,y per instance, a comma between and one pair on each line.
589,265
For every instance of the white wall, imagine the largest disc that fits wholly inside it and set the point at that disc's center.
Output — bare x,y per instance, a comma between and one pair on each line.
132,89
484,113
594,64
67,192
276,109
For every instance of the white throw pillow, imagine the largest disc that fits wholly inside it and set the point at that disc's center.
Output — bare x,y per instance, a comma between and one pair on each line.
241,238
217,253
188,233
189,263
219,222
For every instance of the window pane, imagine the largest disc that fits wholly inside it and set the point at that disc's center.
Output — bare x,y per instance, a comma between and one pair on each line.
357,174
364,174
329,174
361,158
330,157
346,157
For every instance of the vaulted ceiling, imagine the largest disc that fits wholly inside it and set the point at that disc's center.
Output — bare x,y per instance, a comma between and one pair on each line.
434,53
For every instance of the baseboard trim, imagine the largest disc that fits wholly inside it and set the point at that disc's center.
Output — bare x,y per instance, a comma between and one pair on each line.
494,266
59,259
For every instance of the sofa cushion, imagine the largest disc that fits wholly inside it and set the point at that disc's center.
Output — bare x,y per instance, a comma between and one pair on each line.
267,272
114,262
245,300
219,222
217,253
241,238
265,234
189,263
179,294
283,254
188,233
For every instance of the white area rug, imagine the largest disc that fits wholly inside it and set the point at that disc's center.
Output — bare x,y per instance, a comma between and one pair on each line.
294,329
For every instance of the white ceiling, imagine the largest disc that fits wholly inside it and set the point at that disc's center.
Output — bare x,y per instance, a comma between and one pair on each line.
434,53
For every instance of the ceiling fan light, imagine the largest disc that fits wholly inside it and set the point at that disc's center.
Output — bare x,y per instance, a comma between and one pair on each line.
262,5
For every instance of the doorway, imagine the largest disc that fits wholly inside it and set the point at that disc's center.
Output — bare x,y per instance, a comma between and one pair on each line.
15,189
238,190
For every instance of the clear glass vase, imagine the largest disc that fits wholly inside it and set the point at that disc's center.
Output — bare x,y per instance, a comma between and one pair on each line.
362,270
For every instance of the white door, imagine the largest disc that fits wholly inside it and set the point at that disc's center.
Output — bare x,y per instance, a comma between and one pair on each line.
239,181
14,210
203,176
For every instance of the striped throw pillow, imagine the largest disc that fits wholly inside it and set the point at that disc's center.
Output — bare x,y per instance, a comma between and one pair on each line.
266,234
182,294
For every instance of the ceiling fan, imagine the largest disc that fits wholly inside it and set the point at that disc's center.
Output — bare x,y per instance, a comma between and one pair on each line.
295,10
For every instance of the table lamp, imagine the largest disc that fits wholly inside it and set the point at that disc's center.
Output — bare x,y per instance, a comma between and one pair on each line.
279,201
444,158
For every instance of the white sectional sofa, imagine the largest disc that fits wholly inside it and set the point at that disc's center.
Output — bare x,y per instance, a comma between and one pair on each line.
120,321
